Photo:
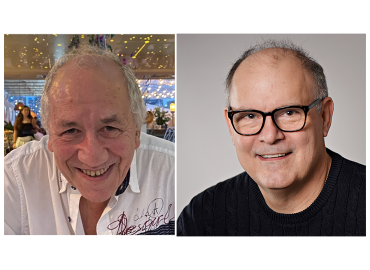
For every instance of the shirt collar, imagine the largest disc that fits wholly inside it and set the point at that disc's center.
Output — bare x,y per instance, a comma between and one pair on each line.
131,174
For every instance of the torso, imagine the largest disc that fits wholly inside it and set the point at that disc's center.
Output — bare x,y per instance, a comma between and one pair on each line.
25,130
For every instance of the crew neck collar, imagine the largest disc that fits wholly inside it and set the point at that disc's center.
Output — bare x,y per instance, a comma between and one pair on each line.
314,207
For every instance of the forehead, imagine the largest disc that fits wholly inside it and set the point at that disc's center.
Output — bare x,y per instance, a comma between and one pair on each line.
271,75
95,89
87,77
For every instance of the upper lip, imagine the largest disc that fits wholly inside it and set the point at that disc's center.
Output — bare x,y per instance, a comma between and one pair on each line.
286,153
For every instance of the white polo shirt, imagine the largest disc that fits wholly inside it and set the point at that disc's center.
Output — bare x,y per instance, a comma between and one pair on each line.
39,200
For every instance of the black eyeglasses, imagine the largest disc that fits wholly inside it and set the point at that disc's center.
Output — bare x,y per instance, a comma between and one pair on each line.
287,119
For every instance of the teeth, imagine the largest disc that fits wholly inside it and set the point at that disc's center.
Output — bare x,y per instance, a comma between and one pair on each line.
273,156
95,173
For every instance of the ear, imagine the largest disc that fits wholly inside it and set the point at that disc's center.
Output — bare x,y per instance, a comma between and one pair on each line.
327,110
229,124
137,139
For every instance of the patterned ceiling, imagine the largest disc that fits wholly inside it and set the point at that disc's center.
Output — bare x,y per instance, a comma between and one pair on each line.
28,58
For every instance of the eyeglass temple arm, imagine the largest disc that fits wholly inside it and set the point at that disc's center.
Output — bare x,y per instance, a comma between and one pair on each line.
313,104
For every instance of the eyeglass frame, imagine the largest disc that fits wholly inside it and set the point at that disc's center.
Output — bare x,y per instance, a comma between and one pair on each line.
306,109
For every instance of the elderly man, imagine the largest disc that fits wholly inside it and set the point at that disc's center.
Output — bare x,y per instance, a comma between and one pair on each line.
95,173
278,113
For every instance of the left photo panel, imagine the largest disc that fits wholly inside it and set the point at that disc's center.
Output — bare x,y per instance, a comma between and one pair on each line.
89,134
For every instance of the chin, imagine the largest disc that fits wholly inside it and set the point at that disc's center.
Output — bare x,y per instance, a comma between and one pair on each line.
274,181
96,197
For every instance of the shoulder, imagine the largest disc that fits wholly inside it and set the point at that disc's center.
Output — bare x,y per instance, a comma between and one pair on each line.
29,151
155,164
26,172
222,189
349,170
26,162
210,204
350,193
350,182
154,144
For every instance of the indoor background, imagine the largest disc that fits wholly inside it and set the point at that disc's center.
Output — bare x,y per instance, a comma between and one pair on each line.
28,59
205,153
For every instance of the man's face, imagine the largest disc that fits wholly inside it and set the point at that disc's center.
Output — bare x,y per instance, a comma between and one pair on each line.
264,85
92,129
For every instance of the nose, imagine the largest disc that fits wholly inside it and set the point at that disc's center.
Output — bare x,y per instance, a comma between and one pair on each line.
270,134
92,151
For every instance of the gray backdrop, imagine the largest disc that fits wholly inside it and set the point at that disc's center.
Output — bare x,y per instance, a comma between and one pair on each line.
205,153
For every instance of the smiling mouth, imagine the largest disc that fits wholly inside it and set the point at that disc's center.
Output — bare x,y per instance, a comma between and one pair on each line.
274,155
95,173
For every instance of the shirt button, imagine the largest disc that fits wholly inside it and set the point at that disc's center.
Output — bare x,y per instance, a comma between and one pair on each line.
73,187
69,219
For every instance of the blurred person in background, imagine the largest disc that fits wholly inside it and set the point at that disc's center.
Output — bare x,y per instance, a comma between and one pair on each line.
24,128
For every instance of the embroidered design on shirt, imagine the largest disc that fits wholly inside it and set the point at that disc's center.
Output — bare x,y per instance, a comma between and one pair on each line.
150,219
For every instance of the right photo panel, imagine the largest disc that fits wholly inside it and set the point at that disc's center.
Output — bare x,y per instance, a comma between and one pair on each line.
271,135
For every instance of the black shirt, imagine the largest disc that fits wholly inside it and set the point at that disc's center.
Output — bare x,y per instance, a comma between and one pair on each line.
25,130
237,207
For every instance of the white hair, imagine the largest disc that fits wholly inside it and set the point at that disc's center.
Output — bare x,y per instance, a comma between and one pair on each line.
135,97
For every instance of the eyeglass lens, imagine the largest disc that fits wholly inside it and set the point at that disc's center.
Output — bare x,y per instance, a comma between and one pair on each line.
288,119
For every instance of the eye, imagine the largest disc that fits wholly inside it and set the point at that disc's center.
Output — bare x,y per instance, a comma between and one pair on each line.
243,116
70,131
109,128
290,113
110,131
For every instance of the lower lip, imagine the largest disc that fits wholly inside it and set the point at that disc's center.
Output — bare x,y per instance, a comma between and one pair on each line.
99,178
273,159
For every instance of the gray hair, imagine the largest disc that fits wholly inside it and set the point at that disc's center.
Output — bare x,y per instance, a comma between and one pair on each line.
135,97
320,88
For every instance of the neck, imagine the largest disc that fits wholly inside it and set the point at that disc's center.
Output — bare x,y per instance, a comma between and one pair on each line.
90,214
301,194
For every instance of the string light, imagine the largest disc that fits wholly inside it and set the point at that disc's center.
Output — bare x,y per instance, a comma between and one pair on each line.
154,58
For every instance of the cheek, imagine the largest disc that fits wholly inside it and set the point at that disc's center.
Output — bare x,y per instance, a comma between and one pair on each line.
243,145
63,151
123,149
303,144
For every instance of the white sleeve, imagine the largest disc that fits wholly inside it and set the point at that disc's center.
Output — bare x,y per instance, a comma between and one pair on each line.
12,201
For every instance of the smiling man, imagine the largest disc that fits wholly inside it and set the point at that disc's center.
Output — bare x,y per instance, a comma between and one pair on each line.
95,173
278,113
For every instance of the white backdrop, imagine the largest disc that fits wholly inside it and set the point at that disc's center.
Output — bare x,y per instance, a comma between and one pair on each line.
205,153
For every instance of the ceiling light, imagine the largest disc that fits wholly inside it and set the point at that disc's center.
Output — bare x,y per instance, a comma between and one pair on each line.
18,106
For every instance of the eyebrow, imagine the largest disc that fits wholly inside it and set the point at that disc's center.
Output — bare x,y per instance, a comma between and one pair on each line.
243,108
108,120
111,119
67,124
